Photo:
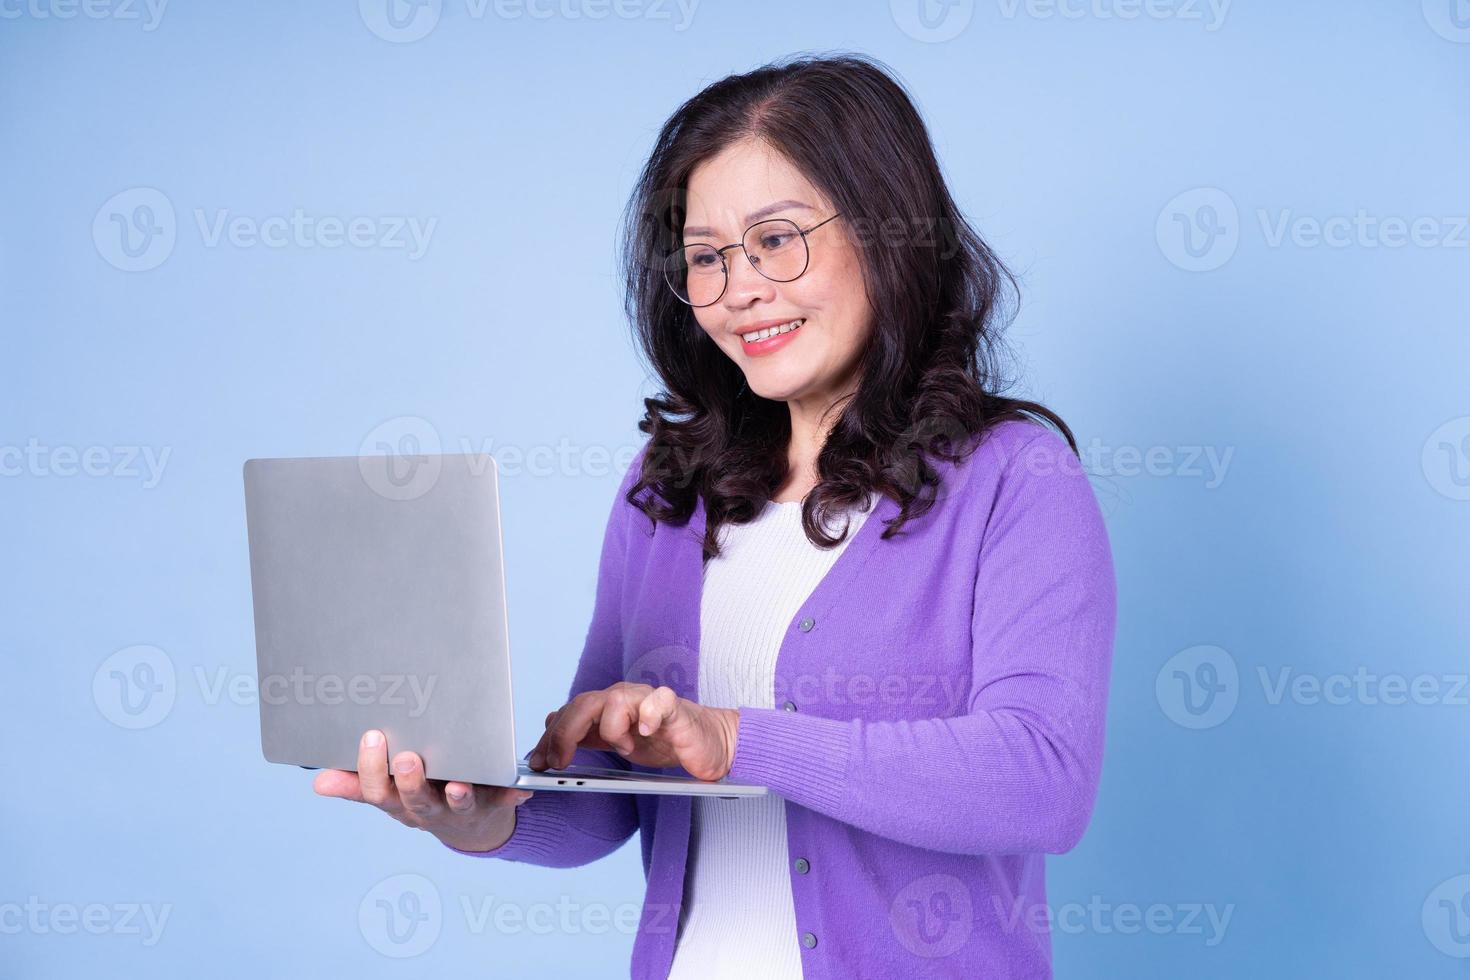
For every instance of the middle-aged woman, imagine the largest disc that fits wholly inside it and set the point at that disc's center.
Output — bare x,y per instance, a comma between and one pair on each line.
843,565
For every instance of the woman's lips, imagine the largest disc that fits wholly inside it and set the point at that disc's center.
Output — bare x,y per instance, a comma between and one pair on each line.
771,344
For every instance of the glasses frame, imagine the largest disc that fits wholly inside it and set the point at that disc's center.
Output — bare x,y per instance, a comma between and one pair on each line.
669,271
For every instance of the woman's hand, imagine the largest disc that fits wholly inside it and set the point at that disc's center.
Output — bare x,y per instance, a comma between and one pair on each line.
649,726
467,816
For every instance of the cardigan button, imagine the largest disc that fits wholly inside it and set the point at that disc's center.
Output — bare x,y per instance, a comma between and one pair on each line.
802,866
806,625
789,705
808,939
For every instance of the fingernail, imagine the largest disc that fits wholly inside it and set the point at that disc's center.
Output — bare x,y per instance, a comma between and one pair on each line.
403,766
455,794
643,728
373,739
536,758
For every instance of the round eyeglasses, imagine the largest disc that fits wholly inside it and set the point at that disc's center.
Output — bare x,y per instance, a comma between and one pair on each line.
776,248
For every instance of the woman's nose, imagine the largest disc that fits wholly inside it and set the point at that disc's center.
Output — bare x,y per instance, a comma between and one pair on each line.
745,282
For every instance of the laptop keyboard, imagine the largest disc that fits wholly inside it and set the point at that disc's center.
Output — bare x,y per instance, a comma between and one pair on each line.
596,772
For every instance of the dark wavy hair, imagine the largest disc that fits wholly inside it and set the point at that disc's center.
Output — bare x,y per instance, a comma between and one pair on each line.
931,375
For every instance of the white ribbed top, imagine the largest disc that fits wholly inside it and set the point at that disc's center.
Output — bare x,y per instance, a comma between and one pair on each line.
738,917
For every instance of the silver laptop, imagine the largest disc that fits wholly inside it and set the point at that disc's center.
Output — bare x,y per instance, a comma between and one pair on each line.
379,590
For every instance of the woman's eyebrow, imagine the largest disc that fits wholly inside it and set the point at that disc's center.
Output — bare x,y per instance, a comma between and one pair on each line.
750,219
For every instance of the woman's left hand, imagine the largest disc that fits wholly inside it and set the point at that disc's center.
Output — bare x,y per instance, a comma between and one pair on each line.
649,726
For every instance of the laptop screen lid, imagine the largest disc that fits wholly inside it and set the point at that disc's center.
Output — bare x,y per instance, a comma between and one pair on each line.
379,596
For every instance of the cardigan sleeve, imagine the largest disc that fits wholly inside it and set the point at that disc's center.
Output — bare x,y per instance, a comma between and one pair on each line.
1017,771
565,829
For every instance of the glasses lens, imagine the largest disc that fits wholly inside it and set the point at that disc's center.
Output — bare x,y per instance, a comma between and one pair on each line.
697,274
777,249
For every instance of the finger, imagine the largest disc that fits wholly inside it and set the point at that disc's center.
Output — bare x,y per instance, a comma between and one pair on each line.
460,797
536,758
339,783
656,709
619,714
503,796
372,773
418,797
467,798
571,725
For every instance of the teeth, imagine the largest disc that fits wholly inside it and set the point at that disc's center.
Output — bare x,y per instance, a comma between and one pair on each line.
751,338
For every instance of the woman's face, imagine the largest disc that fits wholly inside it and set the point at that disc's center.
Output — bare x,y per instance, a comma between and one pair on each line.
817,362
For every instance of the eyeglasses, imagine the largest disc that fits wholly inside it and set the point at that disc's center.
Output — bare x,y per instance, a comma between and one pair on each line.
776,248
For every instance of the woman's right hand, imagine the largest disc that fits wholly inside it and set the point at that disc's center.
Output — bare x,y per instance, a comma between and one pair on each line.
465,816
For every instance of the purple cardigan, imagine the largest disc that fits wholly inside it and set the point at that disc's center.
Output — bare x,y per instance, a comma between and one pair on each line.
938,730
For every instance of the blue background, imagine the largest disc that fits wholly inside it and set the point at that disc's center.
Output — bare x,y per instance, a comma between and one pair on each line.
1084,144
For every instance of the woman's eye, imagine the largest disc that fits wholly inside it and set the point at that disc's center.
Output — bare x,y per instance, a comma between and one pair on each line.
774,241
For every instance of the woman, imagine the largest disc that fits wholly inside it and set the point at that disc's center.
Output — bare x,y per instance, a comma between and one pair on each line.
843,565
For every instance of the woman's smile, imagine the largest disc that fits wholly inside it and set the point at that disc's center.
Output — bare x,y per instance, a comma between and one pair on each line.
758,343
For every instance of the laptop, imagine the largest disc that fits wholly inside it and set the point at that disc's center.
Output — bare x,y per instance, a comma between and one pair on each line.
379,596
